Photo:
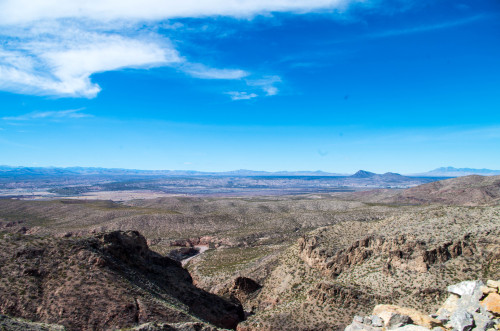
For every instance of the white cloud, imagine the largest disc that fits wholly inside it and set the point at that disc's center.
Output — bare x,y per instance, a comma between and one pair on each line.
60,61
241,95
22,11
53,47
203,72
51,114
54,58
266,84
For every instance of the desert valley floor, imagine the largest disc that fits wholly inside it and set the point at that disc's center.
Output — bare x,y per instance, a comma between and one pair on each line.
308,261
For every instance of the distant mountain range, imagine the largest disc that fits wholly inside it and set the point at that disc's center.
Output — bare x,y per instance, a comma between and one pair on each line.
55,171
9,171
457,172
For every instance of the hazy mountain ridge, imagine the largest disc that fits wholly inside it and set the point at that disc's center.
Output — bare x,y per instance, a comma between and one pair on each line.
52,171
457,172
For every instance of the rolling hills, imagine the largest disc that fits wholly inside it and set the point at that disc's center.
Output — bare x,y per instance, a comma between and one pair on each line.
277,262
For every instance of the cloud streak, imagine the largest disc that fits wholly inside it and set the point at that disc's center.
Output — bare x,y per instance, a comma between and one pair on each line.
241,95
23,11
201,71
426,28
49,115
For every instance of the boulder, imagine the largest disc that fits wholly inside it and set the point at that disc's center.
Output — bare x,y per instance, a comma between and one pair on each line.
397,321
488,290
386,312
492,303
376,321
468,288
449,306
357,326
462,320
411,327
493,284
482,323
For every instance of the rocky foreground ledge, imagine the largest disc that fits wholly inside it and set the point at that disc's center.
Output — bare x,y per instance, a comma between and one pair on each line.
472,305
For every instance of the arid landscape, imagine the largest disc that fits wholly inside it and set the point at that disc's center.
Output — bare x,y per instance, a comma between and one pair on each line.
248,262
249,165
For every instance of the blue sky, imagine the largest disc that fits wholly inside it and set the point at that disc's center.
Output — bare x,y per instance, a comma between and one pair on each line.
216,85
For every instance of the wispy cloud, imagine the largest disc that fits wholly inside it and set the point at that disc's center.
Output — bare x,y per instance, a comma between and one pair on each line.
266,84
22,11
256,86
241,95
201,71
426,28
54,47
49,115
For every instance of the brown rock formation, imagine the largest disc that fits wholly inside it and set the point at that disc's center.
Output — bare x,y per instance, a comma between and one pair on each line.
111,280
342,296
405,252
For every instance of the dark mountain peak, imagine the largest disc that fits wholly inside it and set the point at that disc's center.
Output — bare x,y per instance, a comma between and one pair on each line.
363,174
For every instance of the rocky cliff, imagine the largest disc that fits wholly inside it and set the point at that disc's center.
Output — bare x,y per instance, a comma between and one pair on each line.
111,280
407,259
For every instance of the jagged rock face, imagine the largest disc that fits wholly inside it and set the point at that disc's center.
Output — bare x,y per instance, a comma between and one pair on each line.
241,289
108,281
245,285
342,296
405,252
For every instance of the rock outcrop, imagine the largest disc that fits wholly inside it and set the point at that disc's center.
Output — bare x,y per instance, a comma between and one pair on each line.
240,290
108,281
471,306
405,252
341,296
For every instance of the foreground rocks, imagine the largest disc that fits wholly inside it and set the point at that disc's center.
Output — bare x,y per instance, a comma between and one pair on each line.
104,282
471,305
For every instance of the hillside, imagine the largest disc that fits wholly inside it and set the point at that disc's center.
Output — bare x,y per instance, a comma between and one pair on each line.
334,272
111,280
298,262
466,191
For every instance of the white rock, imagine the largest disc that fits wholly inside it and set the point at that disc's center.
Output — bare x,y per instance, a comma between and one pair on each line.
377,321
470,288
356,326
412,327
461,320
482,322
449,306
